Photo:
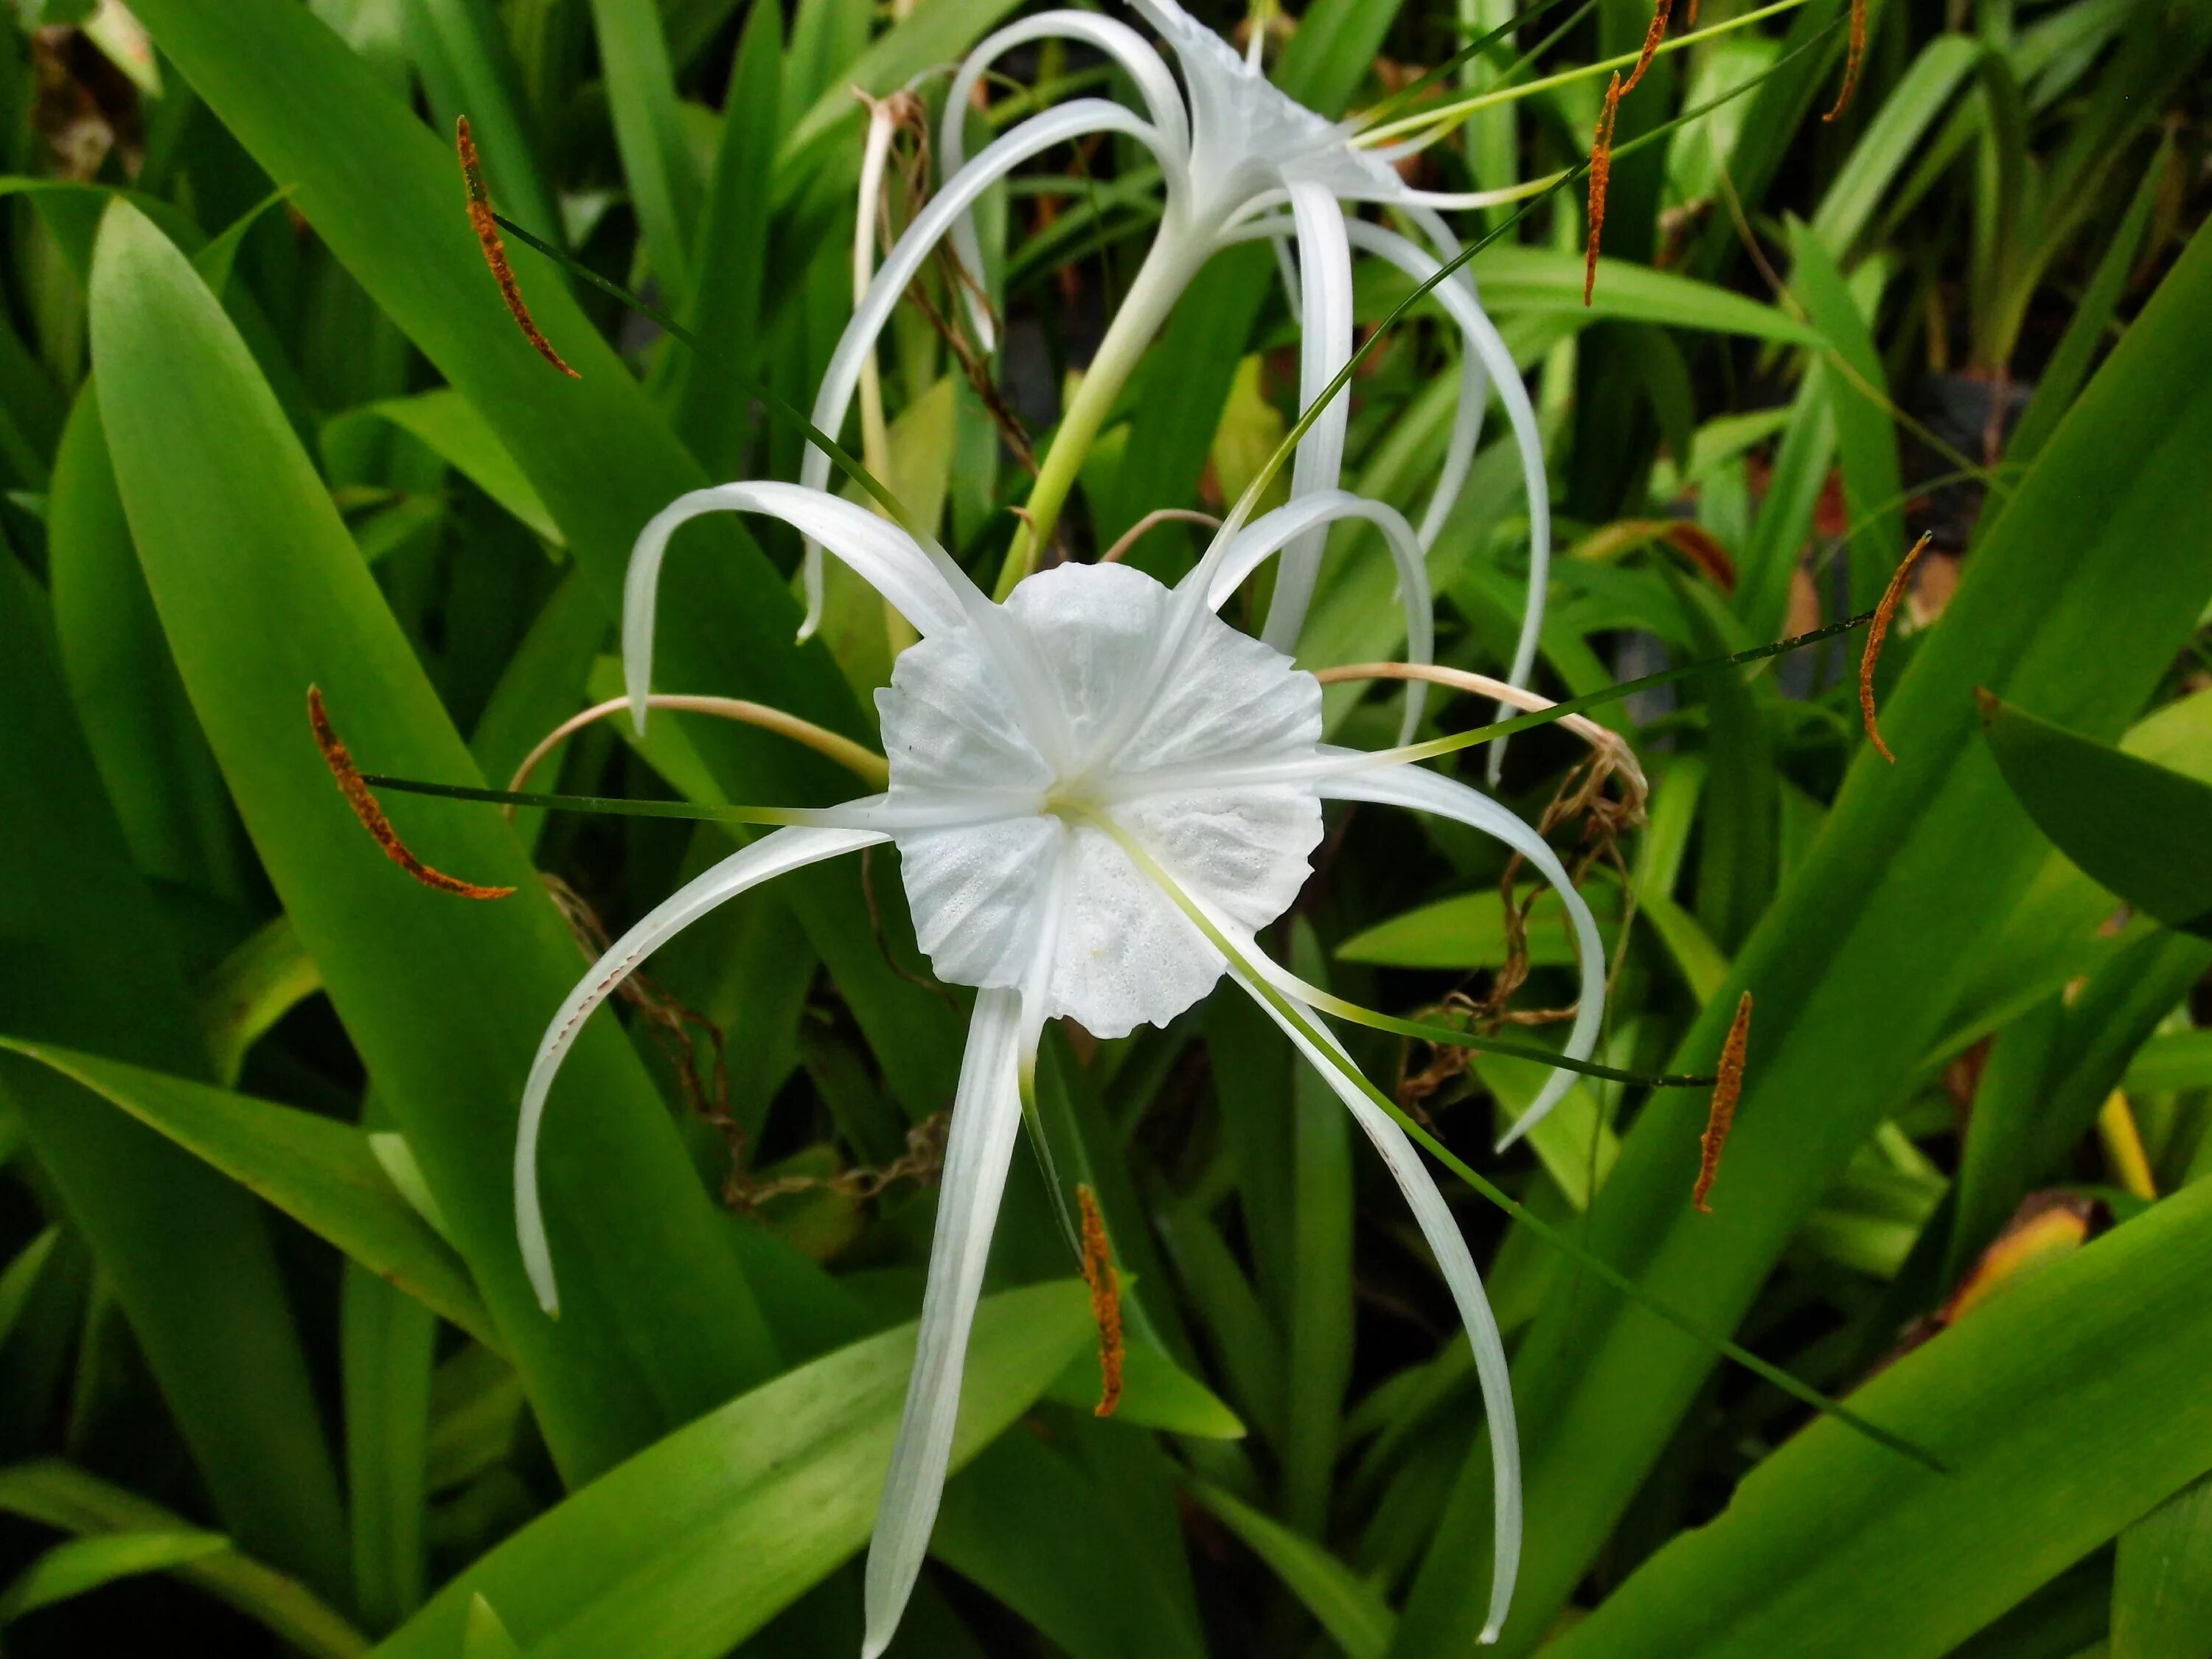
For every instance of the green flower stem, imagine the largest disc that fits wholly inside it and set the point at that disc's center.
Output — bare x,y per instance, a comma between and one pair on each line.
1174,258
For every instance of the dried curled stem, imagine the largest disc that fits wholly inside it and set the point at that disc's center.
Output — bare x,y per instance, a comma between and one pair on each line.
495,250
1854,55
1105,1283
856,758
1617,759
367,808
1725,1093
1581,795
1891,596
1157,516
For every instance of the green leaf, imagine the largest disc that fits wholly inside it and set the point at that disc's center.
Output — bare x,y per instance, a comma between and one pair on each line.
1534,281
2077,600
265,977
733,243
484,1636
465,441
695,1543
240,542
1333,52
461,51
657,162
1468,929
2162,1580
1320,1314
91,963
1031,1521
151,755
2178,1060
2064,1409
84,1565
1353,1612
2086,330
387,1341
930,35
1874,490
55,1494
22,1277
1892,140
382,193
2135,828
1156,1394
322,1173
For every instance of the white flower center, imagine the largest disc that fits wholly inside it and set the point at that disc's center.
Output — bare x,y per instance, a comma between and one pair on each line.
1247,135
1105,695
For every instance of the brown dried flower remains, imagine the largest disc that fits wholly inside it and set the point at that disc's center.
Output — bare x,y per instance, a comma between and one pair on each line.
1105,1283
365,807
1725,1093
1884,613
495,250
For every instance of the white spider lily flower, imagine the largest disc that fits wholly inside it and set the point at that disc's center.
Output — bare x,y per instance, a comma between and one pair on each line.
1067,771
1230,146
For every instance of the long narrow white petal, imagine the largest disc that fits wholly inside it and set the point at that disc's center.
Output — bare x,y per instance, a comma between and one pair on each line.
986,1112
1227,567
1434,1218
1474,386
1032,137
1324,347
924,586
770,856
1425,791
1145,68
875,156
1482,335
1286,268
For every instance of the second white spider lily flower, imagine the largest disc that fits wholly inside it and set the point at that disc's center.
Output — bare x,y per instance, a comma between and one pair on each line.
1230,147
1100,792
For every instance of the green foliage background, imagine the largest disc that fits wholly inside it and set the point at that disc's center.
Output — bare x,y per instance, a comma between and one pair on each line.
270,1377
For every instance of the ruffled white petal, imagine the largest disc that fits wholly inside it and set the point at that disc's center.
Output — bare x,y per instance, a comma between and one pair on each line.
1434,1218
1137,681
1425,791
1145,68
924,586
1324,347
987,1111
1229,564
904,262
771,856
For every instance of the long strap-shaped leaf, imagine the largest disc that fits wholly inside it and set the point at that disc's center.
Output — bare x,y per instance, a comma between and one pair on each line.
384,196
1303,1021
262,592
2075,605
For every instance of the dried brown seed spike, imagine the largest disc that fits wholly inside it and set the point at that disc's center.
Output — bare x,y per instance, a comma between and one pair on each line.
1893,596
1854,54
1690,17
495,250
1652,37
1098,1272
1600,174
1722,1115
364,804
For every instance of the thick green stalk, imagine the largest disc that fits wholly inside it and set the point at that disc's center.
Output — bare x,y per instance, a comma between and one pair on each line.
1176,256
